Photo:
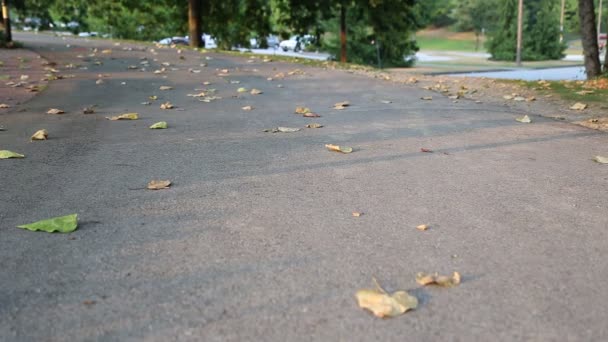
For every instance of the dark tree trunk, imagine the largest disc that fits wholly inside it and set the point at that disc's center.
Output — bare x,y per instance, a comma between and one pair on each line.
591,52
194,22
8,35
343,33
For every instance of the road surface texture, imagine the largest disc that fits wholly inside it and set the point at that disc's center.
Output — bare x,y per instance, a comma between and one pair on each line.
256,241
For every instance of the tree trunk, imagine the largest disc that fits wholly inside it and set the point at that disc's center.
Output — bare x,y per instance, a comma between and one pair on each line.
8,35
194,22
343,33
591,52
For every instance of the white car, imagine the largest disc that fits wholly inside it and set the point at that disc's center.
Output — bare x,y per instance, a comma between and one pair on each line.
295,43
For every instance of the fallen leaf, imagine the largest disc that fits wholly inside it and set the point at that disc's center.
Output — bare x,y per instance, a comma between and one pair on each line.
508,97
282,130
106,51
247,108
524,119
578,106
166,105
159,184
341,105
159,125
242,90
422,227
256,92
88,110
40,135
55,111
386,101
311,115
165,88
5,154
302,110
585,92
426,150
63,224
314,125
530,99
99,81
381,304
336,148
427,98
601,160
126,116
4,106
357,214
436,279
519,98
153,97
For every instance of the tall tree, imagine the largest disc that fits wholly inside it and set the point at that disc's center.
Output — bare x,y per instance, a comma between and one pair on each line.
194,22
6,21
586,10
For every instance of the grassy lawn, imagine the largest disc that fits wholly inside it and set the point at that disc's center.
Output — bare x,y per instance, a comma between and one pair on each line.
446,44
570,91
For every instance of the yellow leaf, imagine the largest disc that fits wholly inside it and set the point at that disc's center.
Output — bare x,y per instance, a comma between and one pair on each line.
40,135
242,90
159,125
422,227
336,148
159,184
55,111
5,154
256,92
126,116
357,214
578,106
341,105
302,110
166,105
385,305
601,160
524,119
153,97
165,88
314,125
436,279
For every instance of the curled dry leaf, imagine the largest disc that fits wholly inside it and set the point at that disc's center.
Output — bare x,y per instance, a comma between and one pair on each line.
341,105
336,148
166,105
5,154
40,135
247,108
256,92
165,88
578,106
422,227
357,214
314,125
426,150
382,304
242,90
126,116
601,160
153,97
159,125
524,119
159,184
4,106
427,98
55,111
436,279
63,224
311,115
302,110
282,130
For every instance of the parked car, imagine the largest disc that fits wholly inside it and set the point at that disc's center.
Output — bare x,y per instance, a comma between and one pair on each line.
296,43
178,40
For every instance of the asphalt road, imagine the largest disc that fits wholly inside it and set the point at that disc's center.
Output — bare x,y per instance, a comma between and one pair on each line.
255,240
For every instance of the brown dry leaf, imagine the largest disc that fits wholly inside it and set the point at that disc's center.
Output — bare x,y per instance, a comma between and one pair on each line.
336,148
166,105
422,227
357,214
4,105
126,116
436,279
382,304
159,184
302,110
311,115
314,125
427,98
256,92
578,106
426,150
55,111
106,51
247,108
601,160
165,88
341,105
40,135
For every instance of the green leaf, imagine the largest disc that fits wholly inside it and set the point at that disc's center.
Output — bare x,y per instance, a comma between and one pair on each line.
4,154
159,125
63,224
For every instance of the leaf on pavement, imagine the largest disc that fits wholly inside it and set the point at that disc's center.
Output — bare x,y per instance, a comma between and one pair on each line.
386,101
601,160
311,115
242,90
5,154
426,150
302,110
341,105
126,116
256,91
159,184
153,97
314,125
40,135
382,304
55,111
422,227
88,110
524,119
159,125
4,106
436,279
63,224
578,106
166,105
282,130
165,88
357,214
247,108
336,148
427,98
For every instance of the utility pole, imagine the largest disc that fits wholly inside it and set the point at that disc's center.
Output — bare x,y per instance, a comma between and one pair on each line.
520,25
194,22
561,22
8,36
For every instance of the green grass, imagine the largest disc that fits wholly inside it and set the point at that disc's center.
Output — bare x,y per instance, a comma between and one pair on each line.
444,44
568,91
